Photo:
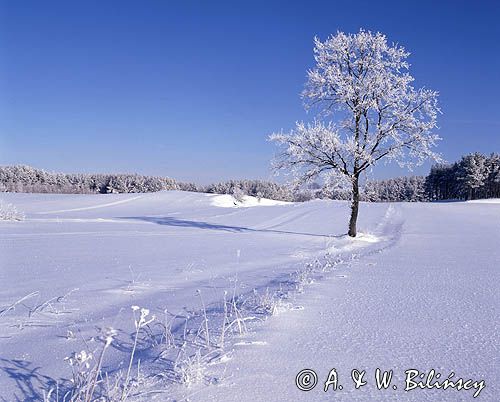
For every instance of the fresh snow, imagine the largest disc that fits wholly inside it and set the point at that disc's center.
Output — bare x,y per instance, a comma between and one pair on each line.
429,301
417,289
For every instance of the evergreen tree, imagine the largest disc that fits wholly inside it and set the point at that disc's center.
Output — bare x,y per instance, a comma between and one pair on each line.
472,174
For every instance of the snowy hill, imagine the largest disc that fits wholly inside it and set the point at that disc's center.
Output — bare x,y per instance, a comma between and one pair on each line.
417,289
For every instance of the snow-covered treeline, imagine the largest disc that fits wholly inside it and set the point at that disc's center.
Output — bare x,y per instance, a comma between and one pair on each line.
405,188
475,176
30,180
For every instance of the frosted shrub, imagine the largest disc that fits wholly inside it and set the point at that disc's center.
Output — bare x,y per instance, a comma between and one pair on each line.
140,321
9,212
89,382
270,303
191,369
238,195
302,278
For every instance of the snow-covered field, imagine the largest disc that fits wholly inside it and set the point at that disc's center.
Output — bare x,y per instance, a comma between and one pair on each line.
419,289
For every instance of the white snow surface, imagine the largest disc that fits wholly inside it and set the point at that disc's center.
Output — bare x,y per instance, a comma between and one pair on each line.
419,288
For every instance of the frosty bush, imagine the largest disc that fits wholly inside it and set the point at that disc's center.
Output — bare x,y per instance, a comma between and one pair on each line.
9,212
238,194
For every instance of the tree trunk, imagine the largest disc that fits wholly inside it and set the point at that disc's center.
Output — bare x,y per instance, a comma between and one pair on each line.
354,206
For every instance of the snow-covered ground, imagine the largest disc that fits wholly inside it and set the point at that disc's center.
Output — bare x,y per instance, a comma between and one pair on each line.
417,290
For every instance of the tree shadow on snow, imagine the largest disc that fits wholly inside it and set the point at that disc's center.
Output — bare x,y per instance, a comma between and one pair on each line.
174,222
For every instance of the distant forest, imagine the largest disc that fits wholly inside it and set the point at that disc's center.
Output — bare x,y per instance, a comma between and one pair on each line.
474,176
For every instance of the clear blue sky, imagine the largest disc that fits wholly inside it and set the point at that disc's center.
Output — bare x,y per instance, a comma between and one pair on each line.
192,89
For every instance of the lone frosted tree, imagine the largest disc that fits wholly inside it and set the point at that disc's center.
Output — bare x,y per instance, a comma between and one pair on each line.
367,110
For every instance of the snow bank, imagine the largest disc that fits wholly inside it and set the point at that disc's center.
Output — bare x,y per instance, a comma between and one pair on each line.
346,243
228,201
486,201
